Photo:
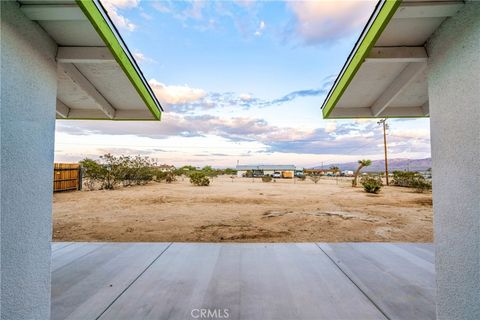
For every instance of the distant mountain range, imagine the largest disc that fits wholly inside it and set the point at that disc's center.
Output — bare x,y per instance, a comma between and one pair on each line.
393,164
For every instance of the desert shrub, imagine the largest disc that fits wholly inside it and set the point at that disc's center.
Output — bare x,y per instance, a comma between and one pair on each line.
267,178
199,179
170,177
136,170
159,175
112,172
371,184
314,178
230,171
109,171
302,177
422,185
92,172
411,179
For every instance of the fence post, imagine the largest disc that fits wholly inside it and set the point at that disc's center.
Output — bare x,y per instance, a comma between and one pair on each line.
80,178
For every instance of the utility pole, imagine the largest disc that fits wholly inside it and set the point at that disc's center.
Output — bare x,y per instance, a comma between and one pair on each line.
385,126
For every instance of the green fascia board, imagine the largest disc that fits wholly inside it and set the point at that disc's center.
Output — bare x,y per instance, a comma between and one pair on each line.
98,21
379,117
372,34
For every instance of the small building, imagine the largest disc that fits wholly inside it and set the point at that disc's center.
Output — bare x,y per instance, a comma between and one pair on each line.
266,170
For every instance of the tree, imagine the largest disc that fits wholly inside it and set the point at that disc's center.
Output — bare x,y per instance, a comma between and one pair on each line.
315,178
335,169
361,164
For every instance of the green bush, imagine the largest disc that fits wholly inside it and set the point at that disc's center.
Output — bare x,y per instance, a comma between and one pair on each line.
109,171
371,184
92,172
170,177
267,178
411,179
199,179
422,185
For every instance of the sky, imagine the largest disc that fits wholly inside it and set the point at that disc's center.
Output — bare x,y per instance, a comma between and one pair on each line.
241,81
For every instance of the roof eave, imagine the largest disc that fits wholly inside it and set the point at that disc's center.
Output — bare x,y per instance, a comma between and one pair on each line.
377,23
107,31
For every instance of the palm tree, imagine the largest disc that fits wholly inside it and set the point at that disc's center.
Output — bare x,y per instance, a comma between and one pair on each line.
361,164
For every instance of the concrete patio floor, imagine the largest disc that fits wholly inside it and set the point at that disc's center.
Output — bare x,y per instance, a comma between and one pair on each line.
243,281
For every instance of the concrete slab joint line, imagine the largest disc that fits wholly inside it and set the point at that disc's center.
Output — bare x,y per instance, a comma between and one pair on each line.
351,280
134,280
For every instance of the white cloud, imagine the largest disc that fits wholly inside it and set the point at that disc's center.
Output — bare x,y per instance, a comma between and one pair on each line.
176,94
327,20
120,21
141,57
331,126
245,97
260,29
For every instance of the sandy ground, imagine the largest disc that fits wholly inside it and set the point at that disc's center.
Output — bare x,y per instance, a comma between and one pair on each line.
244,211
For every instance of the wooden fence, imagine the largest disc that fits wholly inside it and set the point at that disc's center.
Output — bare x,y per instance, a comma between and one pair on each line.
67,176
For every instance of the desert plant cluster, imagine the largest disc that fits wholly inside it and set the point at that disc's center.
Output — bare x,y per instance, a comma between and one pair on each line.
411,179
200,179
267,178
371,184
110,172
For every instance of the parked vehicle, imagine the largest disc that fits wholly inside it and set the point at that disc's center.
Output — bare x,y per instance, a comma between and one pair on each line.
277,174
287,174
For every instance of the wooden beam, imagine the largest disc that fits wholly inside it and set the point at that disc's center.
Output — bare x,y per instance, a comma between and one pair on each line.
62,109
53,12
84,55
73,73
396,87
397,54
428,9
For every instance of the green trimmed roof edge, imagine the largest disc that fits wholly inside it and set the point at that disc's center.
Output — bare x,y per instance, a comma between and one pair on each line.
98,21
373,33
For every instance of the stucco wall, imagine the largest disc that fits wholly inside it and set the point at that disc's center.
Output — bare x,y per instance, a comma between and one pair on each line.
28,90
454,95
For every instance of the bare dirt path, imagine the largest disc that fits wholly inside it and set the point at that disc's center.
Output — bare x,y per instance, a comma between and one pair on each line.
244,211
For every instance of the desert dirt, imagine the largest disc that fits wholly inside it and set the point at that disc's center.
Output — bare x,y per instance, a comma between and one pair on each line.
239,210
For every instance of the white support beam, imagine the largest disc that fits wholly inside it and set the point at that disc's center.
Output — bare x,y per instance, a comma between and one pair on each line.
119,115
53,12
396,87
84,55
402,112
359,112
397,54
428,9
73,73
62,109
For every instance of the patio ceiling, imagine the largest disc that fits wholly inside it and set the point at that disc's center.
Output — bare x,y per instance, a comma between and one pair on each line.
97,76
385,75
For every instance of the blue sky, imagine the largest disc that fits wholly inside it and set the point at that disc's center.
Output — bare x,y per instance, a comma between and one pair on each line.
241,80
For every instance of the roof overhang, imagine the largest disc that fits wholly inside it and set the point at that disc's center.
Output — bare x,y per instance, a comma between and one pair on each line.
385,74
98,77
